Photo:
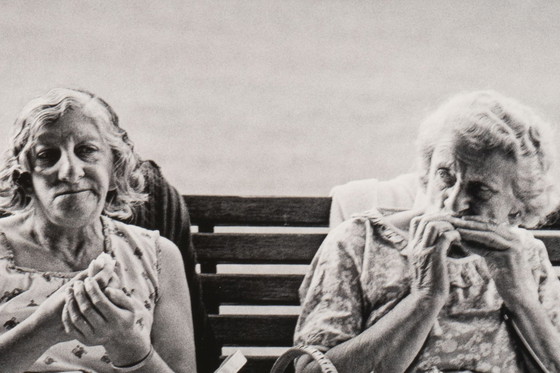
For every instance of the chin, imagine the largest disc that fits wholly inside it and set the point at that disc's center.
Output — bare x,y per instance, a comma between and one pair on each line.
76,217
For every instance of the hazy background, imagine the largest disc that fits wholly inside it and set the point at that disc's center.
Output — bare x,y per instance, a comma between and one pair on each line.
277,97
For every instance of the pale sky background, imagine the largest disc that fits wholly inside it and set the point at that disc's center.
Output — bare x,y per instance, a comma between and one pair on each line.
277,97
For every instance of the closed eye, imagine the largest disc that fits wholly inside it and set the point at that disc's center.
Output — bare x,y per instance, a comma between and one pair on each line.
482,191
445,176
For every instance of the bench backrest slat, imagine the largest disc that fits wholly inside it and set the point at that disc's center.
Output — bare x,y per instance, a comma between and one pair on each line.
257,248
249,289
258,211
254,330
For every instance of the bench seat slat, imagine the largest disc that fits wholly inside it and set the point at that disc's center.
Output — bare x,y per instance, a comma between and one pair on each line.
259,211
254,330
251,289
256,248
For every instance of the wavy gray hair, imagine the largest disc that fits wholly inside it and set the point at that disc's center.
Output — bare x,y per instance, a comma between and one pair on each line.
47,109
488,121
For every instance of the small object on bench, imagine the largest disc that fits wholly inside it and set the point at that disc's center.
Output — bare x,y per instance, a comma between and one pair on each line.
233,363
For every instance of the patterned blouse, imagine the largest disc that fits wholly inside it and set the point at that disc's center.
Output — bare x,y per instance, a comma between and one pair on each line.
136,252
361,272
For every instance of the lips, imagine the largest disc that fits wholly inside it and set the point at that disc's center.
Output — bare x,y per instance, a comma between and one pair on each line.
71,192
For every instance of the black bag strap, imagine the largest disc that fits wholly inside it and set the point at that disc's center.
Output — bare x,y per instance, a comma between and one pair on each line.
531,357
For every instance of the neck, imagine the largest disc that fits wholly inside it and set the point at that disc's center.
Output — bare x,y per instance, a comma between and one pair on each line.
73,244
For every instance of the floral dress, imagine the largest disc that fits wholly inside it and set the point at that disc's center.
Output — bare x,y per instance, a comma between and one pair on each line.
136,253
361,272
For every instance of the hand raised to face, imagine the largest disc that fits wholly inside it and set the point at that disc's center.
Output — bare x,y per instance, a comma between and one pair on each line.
431,236
504,248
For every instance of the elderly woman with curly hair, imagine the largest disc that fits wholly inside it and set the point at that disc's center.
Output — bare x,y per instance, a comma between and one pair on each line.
456,286
80,291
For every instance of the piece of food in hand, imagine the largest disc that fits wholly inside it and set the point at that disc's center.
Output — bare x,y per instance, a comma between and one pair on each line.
102,269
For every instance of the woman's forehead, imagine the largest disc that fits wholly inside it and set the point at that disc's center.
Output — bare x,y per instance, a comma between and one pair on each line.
452,151
72,124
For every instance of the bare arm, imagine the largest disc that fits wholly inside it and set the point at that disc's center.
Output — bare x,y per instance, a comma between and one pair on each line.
390,345
530,316
172,332
505,250
539,332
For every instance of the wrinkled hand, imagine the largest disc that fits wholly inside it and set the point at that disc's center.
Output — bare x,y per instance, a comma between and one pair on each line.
106,317
50,310
431,237
504,249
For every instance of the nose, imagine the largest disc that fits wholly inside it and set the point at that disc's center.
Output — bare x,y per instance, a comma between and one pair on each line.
70,168
457,199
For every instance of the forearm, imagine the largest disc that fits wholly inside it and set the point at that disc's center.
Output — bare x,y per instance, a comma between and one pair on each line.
390,345
539,332
21,346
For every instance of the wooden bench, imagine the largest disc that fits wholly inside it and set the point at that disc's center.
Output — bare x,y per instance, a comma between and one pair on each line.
231,238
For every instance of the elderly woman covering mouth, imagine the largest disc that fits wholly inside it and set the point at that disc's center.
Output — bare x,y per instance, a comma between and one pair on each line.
80,291
427,291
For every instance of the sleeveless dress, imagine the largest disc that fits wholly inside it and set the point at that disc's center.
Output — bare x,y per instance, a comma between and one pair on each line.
362,271
136,252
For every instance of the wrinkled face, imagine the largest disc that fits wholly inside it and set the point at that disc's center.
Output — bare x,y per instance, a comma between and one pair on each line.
467,184
71,171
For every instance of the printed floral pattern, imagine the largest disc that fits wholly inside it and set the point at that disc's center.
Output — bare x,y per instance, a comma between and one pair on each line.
361,272
23,289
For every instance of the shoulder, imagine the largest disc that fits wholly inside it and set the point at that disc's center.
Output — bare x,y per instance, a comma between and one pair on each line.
144,238
13,229
167,252
364,235
118,225
170,254
534,248
370,225
130,234
11,223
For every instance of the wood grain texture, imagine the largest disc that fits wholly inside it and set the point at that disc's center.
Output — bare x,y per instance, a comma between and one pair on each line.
254,330
257,248
251,289
259,211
